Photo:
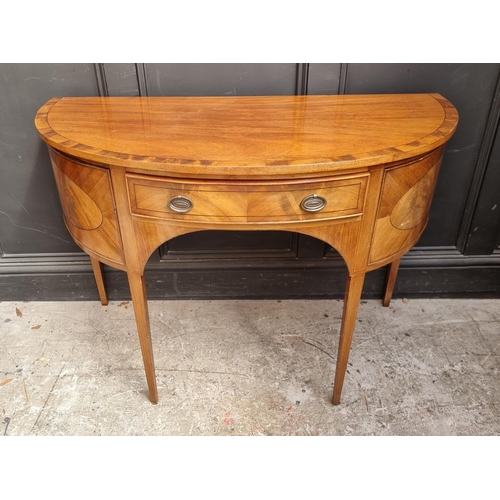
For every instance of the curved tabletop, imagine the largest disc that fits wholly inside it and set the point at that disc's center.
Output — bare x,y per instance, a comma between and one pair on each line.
247,137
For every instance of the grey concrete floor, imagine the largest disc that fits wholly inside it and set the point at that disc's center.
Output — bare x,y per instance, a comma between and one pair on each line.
419,367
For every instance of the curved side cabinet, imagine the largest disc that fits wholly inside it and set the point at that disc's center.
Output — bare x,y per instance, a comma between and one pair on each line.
88,207
404,207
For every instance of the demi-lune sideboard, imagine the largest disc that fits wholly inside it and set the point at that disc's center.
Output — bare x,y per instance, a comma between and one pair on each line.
356,171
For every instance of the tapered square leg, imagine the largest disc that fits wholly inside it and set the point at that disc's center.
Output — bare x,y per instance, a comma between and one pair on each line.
99,280
391,281
139,300
353,291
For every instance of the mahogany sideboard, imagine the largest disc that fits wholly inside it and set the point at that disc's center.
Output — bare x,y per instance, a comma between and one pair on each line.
356,171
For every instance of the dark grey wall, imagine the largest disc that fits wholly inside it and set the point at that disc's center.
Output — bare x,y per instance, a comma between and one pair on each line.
458,255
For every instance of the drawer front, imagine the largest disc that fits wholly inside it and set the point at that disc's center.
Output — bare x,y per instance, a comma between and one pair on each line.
233,202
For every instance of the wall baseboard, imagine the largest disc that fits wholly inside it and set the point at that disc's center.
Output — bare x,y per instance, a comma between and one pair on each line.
449,275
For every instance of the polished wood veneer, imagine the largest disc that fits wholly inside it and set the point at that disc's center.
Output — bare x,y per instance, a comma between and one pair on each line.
225,202
357,172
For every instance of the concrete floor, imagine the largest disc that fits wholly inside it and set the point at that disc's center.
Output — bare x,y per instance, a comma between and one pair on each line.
419,367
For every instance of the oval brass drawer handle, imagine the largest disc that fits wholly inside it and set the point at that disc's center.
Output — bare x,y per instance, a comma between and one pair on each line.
180,204
313,203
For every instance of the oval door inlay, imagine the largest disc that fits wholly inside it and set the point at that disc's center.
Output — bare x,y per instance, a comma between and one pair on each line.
412,209
79,208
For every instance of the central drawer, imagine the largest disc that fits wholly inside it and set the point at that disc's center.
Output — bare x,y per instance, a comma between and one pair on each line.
250,201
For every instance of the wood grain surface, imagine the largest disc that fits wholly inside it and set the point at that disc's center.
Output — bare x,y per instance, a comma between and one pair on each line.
269,202
263,137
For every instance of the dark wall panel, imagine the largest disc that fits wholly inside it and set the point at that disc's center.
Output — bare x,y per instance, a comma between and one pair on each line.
120,79
30,213
484,233
459,254
324,79
231,244
470,87
220,79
